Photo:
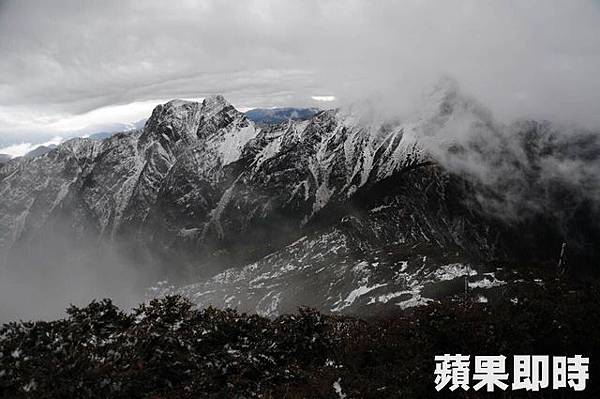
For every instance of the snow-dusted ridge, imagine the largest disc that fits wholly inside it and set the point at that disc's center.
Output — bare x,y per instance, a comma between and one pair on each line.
339,211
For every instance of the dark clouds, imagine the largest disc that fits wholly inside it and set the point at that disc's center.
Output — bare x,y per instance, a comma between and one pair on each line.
522,58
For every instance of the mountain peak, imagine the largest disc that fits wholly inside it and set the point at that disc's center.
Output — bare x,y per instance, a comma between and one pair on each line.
214,104
216,99
175,103
171,122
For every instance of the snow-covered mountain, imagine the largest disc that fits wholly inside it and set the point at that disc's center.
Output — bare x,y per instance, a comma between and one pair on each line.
343,211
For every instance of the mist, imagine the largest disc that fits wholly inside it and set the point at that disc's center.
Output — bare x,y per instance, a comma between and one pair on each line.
41,277
533,175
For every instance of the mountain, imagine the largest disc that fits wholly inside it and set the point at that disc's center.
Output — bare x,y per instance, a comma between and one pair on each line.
343,211
101,135
280,115
39,151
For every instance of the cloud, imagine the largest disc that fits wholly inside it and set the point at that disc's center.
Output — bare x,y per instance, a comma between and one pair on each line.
323,98
64,59
521,170
17,150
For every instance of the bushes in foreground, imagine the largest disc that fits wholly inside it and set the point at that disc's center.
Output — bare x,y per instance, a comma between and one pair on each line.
169,349
165,348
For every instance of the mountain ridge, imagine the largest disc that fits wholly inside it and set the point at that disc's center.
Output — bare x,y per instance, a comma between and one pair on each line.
367,204
272,116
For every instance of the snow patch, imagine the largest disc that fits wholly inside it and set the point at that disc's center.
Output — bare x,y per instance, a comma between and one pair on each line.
338,389
487,282
452,271
355,294
233,142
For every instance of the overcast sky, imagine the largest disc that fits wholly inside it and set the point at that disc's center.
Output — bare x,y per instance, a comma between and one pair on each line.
68,65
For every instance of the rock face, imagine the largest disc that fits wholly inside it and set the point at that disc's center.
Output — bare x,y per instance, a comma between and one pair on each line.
321,211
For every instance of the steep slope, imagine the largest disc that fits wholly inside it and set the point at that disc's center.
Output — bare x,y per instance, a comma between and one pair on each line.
32,189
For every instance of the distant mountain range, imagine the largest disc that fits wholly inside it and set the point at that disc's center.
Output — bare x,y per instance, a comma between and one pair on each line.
104,135
279,115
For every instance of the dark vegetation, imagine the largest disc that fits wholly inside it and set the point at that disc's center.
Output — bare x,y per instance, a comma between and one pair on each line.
169,349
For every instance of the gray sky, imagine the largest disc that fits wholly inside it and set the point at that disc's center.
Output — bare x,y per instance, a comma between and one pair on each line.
69,65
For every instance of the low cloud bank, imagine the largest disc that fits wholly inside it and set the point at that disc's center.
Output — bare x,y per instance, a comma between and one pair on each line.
18,150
